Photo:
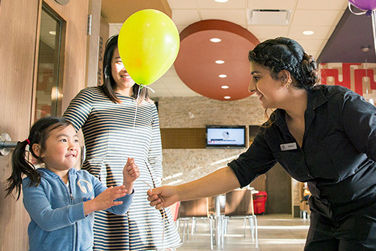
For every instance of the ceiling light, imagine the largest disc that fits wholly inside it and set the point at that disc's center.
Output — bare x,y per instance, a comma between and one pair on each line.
215,40
52,33
219,61
225,86
222,75
308,33
220,1
226,97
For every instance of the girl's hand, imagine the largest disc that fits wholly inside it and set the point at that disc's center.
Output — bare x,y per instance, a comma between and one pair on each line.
164,196
105,200
130,174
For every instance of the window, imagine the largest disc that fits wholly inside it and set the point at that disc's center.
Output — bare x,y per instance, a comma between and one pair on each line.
49,79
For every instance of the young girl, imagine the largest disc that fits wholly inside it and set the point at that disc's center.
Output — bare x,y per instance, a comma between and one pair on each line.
60,199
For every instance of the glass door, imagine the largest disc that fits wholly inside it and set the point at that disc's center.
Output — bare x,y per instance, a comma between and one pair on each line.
49,75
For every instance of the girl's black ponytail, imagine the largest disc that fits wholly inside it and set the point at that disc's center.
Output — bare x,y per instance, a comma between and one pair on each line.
20,165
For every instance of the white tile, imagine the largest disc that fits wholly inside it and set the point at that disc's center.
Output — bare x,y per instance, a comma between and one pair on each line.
230,4
315,17
312,44
272,4
235,16
185,17
320,32
268,31
322,5
182,4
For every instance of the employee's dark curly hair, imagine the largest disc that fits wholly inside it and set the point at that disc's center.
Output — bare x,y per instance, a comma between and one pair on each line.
286,54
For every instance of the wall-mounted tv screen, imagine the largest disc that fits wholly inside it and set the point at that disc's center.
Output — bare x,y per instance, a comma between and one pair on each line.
225,136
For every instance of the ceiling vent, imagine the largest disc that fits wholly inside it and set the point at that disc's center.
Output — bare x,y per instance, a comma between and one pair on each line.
268,17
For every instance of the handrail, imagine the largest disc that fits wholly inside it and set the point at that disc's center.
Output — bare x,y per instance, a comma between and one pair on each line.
6,144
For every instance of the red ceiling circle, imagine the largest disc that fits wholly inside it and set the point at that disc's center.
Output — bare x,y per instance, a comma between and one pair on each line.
195,63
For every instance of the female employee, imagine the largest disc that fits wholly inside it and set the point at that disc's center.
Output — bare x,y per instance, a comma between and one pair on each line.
322,135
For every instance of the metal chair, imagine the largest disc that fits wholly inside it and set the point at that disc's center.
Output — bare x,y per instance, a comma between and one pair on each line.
239,204
191,211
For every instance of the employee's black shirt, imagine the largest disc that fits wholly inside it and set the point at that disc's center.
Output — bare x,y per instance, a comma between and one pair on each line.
338,153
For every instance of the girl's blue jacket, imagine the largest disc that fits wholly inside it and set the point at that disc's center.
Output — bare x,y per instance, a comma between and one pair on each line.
56,211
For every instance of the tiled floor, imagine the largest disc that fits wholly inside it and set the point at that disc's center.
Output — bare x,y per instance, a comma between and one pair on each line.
276,232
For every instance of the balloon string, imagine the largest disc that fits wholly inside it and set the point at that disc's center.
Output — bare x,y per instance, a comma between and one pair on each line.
137,99
164,217
374,28
162,211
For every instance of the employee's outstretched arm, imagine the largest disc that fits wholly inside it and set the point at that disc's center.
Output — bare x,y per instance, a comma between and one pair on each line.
220,181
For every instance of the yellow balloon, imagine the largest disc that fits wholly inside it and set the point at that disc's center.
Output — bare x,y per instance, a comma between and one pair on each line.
148,45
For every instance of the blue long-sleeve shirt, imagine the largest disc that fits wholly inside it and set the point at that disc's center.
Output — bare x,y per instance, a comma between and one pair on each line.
337,156
57,213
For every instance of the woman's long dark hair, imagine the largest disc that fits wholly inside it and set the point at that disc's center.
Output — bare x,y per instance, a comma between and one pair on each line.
39,133
109,83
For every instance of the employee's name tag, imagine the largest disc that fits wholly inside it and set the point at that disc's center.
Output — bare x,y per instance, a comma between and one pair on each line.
288,146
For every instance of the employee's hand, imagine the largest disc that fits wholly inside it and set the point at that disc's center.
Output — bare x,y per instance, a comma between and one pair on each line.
164,196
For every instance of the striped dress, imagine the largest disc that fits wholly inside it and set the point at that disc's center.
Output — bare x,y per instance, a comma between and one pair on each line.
114,132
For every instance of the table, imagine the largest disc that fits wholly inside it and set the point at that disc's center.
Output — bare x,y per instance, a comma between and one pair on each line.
219,213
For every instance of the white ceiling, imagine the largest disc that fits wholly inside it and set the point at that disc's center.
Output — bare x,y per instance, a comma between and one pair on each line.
320,16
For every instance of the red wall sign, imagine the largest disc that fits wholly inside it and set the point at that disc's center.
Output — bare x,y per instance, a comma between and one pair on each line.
350,75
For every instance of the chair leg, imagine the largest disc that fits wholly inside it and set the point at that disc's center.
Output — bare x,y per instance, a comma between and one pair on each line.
223,232
211,232
256,230
252,227
193,229
184,225
225,225
244,225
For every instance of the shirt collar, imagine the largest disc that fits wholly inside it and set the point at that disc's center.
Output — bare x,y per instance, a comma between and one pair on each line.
315,99
46,171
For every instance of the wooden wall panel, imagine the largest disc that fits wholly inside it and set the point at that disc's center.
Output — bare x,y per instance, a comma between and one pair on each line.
18,29
18,49
183,138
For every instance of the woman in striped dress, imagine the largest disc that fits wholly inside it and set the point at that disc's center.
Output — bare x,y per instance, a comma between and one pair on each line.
119,121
